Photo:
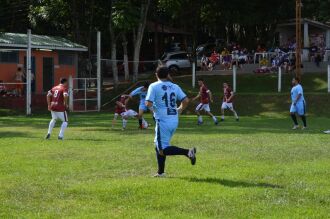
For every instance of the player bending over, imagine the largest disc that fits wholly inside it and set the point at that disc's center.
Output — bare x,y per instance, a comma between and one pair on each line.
120,108
298,105
142,92
57,100
205,96
228,99
162,96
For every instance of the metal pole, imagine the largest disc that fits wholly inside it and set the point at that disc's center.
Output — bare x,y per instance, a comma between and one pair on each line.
234,77
85,94
193,74
328,78
279,79
28,74
298,38
70,93
99,87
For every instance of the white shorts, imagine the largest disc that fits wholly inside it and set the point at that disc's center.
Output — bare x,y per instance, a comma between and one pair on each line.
129,114
63,116
202,106
226,105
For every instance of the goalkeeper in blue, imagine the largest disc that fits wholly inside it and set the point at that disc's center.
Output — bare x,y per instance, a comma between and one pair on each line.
162,96
141,92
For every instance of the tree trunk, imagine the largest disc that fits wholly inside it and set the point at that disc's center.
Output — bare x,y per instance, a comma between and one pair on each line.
75,17
114,63
113,51
139,38
125,57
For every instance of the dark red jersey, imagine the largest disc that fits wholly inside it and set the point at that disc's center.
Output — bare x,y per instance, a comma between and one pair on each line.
226,95
204,94
57,94
119,105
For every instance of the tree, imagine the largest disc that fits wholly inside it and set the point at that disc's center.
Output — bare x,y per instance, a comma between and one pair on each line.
138,36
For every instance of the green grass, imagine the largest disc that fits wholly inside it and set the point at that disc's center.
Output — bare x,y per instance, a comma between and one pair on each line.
257,168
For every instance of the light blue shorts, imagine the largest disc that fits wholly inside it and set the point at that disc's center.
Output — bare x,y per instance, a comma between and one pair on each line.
143,107
164,132
299,108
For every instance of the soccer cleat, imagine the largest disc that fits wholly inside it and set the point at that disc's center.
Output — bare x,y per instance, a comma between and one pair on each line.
237,119
304,127
192,156
60,138
216,122
327,132
295,127
222,120
47,136
199,123
159,175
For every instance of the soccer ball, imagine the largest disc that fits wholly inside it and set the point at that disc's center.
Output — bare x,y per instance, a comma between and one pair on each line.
145,124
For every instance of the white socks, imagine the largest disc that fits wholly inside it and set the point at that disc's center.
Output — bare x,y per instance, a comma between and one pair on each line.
200,119
124,123
63,127
51,126
214,118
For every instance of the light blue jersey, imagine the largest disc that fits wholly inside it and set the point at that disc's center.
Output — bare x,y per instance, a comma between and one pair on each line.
300,106
142,95
164,96
295,91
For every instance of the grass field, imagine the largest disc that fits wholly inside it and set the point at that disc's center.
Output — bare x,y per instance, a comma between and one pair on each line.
257,168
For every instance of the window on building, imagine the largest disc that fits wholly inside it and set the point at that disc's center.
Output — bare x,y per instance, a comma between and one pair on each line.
65,59
9,57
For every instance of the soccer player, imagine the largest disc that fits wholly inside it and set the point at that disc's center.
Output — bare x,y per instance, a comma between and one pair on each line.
132,114
298,105
163,96
228,98
142,92
120,108
205,96
57,100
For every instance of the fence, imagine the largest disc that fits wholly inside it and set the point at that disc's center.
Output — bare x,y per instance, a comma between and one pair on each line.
84,95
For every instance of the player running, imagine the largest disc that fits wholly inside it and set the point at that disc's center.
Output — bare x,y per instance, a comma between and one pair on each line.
162,96
142,92
205,96
228,98
298,105
57,100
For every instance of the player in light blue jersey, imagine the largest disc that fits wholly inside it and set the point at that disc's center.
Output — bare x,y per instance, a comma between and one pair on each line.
142,93
298,105
163,96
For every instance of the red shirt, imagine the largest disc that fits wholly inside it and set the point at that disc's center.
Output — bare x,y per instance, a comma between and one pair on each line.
119,109
204,95
226,95
57,94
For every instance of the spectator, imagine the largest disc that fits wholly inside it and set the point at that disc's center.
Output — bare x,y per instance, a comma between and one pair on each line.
3,89
19,78
204,62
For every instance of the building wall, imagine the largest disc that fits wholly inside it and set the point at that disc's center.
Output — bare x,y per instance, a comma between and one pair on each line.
8,70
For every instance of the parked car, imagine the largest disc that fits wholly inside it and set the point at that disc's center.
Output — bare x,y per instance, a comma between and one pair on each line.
176,61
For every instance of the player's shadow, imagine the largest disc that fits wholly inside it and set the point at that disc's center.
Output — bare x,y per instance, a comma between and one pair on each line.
232,183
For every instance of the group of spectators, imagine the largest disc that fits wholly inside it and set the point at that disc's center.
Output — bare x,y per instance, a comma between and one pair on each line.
18,84
227,57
